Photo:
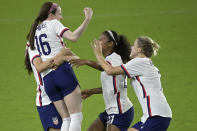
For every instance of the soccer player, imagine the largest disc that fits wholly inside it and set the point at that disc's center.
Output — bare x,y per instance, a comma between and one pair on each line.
119,111
50,118
145,79
61,85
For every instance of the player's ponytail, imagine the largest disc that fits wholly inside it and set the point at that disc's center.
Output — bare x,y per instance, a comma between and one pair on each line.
27,62
45,10
148,46
123,48
122,45
32,33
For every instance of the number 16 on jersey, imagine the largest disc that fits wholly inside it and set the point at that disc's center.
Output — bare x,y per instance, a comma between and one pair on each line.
45,48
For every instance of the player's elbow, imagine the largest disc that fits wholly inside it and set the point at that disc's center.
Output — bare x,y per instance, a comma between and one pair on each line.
74,39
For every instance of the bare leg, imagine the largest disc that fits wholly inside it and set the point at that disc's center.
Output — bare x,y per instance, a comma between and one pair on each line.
73,102
111,127
52,129
97,125
61,108
132,129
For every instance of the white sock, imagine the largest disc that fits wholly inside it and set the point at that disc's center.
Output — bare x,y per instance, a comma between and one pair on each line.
76,120
65,124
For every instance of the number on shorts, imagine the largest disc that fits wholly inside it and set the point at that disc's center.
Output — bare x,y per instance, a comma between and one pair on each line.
110,119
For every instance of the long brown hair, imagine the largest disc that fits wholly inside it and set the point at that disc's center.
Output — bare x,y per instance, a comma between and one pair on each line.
122,45
45,10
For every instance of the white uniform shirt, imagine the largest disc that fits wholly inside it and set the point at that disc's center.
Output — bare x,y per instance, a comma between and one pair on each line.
147,86
48,39
41,99
115,89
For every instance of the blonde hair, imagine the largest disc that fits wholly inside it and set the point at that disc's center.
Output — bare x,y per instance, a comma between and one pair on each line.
149,47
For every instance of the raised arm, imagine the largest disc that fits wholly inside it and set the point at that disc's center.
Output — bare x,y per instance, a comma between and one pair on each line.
75,35
81,62
97,48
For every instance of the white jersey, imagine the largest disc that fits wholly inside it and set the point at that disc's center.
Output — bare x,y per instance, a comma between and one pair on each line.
48,39
115,89
145,79
41,99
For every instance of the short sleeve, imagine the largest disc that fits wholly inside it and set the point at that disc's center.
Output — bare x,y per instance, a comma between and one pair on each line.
133,68
33,54
59,28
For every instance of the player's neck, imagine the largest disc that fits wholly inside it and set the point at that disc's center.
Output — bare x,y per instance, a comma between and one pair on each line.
140,55
107,53
50,18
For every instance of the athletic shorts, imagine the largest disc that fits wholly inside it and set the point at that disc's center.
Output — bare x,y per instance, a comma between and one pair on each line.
121,121
155,123
60,82
49,117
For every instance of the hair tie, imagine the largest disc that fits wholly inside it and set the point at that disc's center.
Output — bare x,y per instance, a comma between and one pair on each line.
53,7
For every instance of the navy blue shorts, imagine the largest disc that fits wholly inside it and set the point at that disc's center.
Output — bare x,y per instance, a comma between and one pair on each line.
121,121
60,82
155,123
49,117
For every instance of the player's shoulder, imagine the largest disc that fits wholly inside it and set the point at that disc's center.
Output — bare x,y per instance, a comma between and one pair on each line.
137,61
54,21
113,56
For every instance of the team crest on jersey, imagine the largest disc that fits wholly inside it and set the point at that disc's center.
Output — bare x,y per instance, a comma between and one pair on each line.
55,120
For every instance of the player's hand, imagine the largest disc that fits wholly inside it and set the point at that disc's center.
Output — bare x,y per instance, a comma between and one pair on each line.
58,61
78,62
97,48
50,63
88,13
86,93
66,51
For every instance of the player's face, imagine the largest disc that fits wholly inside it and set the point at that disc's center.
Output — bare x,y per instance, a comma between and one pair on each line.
58,14
103,41
135,50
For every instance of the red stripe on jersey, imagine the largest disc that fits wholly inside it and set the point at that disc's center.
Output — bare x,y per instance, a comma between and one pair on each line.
34,58
114,84
143,89
64,30
40,97
125,70
119,104
62,43
40,80
148,105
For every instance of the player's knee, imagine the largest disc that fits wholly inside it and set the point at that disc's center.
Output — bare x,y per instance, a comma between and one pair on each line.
77,117
52,129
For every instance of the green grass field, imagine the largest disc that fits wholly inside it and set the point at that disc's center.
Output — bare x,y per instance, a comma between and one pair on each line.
172,23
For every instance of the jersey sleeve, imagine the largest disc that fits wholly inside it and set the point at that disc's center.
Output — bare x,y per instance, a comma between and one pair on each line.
114,61
133,68
33,54
59,28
